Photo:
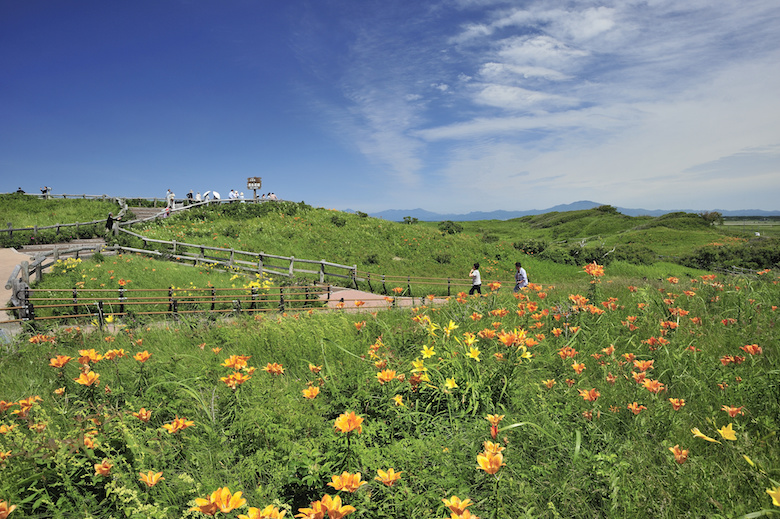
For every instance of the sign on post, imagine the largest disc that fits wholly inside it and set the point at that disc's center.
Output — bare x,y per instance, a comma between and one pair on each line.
254,183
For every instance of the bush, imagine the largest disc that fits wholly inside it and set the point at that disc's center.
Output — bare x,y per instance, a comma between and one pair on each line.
450,227
338,221
531,246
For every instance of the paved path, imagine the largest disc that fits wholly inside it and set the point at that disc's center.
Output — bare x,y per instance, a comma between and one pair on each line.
9,259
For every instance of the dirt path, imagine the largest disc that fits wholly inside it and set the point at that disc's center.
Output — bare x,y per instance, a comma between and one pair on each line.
9,259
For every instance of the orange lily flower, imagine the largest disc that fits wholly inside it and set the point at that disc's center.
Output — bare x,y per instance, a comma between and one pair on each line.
457,506
221,500
635,408
677,403
142,356
6,509
311,392
150,478
733,411
143,415
348,422
90,378
59,361
389,477
490,462
386,375
680,455
347,481
589,395
274,368
104,468
178,424
334,507
269,512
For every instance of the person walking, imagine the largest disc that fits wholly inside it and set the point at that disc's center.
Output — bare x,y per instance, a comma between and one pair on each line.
521,277
476,280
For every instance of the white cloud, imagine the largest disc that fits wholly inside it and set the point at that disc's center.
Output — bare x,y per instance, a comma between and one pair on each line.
516,98
508,74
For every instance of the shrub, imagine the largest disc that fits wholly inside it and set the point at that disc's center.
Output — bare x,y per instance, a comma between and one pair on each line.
450,227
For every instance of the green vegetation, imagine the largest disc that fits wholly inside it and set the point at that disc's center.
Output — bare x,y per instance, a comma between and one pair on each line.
24,211
28,211
649,391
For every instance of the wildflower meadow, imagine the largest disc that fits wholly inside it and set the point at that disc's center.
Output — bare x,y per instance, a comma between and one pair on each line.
602,396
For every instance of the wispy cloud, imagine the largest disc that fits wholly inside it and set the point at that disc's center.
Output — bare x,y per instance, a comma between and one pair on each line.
603,96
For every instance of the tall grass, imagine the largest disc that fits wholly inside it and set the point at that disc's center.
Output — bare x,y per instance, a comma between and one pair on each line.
565,456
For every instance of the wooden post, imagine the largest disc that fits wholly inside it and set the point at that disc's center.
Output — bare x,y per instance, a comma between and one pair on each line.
232,255
281,299
322,271
75,300
292,262
260,265
353,272
174,247
26,272
10,229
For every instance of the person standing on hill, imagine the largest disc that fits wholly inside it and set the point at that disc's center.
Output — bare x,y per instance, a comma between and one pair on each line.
521,277
476,280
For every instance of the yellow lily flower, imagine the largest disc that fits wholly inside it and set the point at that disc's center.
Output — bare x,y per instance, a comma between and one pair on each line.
727,432
698,434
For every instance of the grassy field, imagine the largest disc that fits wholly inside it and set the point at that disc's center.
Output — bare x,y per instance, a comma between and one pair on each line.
632,390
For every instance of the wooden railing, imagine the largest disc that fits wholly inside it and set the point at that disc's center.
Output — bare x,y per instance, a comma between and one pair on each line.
102,305
258,262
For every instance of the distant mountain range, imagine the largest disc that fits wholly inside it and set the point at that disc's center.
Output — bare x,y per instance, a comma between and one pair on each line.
398,215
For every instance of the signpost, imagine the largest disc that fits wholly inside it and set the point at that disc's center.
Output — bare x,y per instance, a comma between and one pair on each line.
254,183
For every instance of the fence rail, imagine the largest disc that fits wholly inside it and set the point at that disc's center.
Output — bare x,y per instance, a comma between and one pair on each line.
258,262
104,304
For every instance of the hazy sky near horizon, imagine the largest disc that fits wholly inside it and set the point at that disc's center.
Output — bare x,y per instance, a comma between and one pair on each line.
447,105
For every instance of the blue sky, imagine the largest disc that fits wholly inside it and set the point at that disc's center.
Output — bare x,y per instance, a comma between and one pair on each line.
450,106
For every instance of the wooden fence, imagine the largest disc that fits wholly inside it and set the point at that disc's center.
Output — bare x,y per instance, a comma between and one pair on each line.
258,262
102,305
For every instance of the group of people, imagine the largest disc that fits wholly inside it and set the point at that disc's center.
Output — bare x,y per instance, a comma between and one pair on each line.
521,278
170,197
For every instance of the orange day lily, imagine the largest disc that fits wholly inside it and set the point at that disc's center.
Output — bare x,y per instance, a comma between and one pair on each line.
178,424
311,392
347,481
348,422
269,512
221,500
387,375
680,455
457,506
104,468
90,378
589,395
274,368
389,477
490,462
143,414
150,478
59,361
6,508
733,411
142,356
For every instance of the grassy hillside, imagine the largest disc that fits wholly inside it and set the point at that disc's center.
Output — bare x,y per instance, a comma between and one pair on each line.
639,390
